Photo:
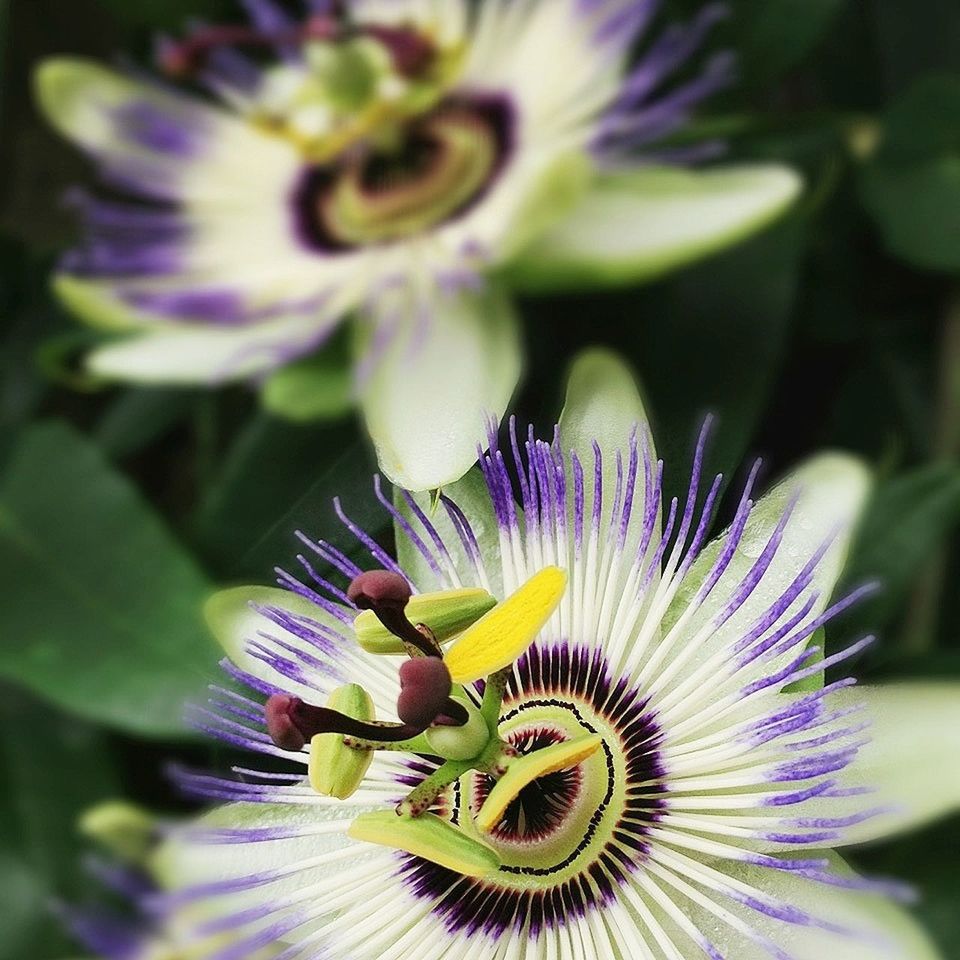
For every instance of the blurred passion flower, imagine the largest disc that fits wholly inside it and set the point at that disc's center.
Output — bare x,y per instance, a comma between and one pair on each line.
402,163
561,725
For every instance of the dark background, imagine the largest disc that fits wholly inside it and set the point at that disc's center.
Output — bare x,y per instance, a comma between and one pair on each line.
120,508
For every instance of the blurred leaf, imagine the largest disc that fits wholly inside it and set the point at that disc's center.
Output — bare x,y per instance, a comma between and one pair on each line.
712,342
280,477
775,35
915,38
55,767
909,517
138,417
319,387
168,13
102,605
912,186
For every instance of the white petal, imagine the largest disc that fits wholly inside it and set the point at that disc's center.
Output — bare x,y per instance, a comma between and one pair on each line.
603,405
887,931
911,762
205,354
429,399
830,492
470,495
639,225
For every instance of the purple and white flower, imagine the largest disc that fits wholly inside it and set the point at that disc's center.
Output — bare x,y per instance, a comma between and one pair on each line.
709,770
401,163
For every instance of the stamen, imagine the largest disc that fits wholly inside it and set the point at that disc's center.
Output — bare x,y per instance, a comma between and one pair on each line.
291,723
187,57
424,691
387,595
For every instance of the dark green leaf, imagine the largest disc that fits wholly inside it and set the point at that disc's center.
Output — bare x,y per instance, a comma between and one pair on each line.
909,517
55,768
927,861
102,605
139,416
912,186
712,342
280,477
775,35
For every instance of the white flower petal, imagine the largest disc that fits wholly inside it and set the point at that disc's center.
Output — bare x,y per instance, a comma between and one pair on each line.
457,564
185,355
830,491
911,762
429,400
887,931
636,226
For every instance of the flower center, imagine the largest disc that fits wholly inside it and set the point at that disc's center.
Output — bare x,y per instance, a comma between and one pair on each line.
570,837
438,168
543,806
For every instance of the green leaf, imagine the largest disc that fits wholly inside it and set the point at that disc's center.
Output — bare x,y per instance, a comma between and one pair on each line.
909,517
912,186
919,860
712,342
316,388
277,478
138,417
776,35
102,609
167,13
45,790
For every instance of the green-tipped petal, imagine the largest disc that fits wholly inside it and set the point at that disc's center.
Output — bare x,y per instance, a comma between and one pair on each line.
471,496
234,620
502,635
169,356
523,771
429,399
911,762
429,837
603,406
831,490
883,930
636,226
446,613
337,770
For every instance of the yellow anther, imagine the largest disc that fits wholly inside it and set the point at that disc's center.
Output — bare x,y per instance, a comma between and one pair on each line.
499,637
525,770
427,836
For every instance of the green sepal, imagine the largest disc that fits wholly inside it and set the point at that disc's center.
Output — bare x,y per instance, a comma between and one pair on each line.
427,836
335,769
447,614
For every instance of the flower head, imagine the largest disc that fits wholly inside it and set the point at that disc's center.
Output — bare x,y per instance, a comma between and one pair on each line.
383,160
642,757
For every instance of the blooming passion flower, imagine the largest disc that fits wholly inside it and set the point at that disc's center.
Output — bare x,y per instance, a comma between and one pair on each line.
561,725
399,162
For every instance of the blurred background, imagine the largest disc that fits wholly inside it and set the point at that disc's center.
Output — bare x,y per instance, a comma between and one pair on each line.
120,508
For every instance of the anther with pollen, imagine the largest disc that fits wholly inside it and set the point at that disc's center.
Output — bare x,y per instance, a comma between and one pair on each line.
425,683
